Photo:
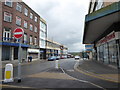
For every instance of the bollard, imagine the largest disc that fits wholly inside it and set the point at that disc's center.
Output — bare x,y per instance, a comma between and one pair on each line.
8,73
56,64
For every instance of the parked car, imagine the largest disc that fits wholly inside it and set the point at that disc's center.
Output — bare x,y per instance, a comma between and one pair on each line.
52,58
58,57
77,57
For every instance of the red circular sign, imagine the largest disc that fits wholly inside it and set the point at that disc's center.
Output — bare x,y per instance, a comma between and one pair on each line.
18,33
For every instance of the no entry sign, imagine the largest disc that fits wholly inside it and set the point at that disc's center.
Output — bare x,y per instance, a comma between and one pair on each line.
18,33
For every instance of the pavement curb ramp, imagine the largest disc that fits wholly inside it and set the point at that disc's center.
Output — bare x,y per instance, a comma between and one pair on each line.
77,68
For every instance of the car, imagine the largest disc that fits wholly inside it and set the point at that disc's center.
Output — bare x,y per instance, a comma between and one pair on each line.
52,58
77,57
58,57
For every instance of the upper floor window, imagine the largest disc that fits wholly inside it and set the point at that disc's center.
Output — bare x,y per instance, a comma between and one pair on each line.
6,34
26,11
8,3
99,4
35,41
31,16
19,7
25,38
18,20
31,39
35,19
31,27
7,17
35,29
25,24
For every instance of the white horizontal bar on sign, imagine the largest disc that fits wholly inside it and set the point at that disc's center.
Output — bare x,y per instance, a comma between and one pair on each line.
16,33
33,50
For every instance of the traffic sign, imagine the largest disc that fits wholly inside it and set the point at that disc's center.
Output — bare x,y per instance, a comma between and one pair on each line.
18,33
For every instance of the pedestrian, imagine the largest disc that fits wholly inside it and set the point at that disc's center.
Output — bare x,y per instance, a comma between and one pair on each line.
30,58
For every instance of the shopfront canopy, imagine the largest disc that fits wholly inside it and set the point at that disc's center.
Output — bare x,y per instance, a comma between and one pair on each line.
99,21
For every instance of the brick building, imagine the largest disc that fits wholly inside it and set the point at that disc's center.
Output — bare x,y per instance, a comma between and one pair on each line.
18,14
102,28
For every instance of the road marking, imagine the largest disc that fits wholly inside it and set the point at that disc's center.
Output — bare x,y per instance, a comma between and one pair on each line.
83,80
93,75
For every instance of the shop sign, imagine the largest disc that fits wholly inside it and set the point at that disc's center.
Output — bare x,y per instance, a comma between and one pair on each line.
107,38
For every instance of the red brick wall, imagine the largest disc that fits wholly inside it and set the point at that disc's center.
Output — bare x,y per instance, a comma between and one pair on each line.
15,13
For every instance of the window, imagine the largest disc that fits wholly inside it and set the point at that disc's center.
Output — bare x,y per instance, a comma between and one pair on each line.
35,19
25,38
7,17
31,27
26,12
19,7
6,34
31,16
43,26
8,3
25,24
99,5
35,41
35,29
18,20
31,39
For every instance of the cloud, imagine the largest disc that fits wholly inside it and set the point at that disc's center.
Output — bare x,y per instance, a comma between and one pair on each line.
65,19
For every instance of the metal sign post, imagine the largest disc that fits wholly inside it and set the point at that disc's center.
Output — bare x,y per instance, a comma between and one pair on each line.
19,62
18,33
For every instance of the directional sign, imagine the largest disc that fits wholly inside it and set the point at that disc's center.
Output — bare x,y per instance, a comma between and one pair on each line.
18,33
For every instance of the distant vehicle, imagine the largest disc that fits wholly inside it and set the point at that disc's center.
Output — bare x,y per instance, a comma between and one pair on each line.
58,57
52,58
62,57
77,57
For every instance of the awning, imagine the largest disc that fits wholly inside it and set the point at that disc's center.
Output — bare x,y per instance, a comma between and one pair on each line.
99,21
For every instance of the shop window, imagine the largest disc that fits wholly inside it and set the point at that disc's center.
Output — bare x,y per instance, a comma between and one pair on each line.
19,7
6,34
8,3
18,20
7,17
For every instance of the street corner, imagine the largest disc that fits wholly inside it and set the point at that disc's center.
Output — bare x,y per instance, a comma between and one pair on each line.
108,77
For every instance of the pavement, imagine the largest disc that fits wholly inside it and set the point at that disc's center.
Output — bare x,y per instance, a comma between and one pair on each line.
98,70
15,62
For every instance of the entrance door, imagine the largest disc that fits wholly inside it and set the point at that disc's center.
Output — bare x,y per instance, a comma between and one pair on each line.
15,53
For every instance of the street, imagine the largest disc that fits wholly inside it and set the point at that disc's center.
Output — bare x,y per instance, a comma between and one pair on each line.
44,75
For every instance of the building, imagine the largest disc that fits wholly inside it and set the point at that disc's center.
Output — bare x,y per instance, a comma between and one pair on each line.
13,15
102,28
43,37
89,49
55,49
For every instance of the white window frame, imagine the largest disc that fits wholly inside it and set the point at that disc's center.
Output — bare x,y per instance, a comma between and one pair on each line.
18,20
35,40
25,38
31,27
31,41
36,18
99,5
31,15
19,7
7,17
35,29
6,36
26,11
10,2
25,24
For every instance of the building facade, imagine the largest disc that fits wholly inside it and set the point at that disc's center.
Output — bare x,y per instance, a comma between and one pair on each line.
43,37
13,15
55,49
102,28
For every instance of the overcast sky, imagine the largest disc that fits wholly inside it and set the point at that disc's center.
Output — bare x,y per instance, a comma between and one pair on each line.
65,20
